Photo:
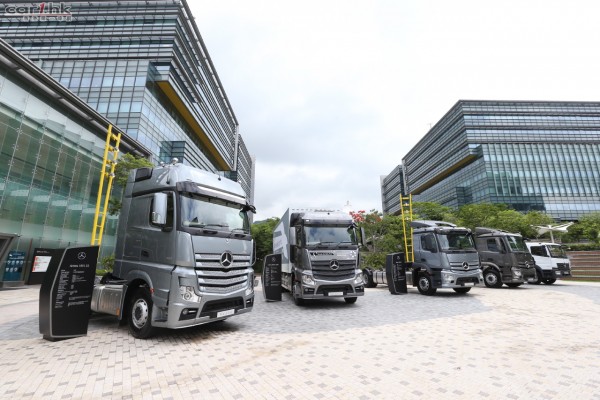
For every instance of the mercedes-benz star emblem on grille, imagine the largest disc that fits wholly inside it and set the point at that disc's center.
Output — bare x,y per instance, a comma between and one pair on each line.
465,266
81,255
226,259
334,265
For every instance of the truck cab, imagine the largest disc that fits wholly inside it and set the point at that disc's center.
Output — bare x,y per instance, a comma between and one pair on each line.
444,258
551,262
184,251
504,258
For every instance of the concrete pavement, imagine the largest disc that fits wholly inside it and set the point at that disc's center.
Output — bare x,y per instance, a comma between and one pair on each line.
533,342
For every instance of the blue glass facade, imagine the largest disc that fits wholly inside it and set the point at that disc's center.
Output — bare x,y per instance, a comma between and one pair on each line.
530,155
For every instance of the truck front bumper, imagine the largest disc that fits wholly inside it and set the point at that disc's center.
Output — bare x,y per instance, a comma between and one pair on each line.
325,289
211,308
458,279
528,274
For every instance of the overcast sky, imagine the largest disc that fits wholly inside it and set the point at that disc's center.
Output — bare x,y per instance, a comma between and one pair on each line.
330,95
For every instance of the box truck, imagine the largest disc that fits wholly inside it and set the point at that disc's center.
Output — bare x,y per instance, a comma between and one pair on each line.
319,254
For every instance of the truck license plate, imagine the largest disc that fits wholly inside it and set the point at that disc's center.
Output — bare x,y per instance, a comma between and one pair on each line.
225,313
469,284
336,293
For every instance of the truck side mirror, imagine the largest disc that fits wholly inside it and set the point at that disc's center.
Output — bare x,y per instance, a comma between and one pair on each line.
292,235
362,236
293,251
159,209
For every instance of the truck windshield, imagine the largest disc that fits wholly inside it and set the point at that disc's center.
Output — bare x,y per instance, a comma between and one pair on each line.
456,241
204,212
320,234
557,252
516,243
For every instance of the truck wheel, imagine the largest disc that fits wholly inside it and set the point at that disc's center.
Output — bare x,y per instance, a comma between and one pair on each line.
513,285
550,281
368,279
297,300
492,279
538,278
462,290
425,286
140,314
350,300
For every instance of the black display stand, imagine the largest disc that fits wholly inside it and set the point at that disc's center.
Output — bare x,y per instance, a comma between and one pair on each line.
66,293
395,273
271,277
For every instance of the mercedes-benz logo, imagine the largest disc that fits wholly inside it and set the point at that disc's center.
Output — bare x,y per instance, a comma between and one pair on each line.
334,265
81,255
226,259
465,266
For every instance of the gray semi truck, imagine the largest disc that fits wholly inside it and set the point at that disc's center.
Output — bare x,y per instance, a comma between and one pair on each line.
504,257
184,252
444,258
319,253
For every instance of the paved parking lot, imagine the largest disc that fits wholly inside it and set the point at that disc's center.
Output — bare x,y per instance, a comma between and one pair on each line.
533,342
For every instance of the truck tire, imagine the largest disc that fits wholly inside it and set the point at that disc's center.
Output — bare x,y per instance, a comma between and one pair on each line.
425,285
140,314
538,278
513,285
368,279
297,300
350,300
550,281
492,279
462,290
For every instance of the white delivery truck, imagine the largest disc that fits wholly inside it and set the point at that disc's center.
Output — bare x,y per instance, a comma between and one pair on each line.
551,262
184,252
319,254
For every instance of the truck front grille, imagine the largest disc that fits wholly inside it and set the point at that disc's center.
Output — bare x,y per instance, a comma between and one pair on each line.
213,277
461,267
322,270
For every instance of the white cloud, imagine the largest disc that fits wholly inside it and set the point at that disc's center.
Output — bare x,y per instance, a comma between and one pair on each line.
331,95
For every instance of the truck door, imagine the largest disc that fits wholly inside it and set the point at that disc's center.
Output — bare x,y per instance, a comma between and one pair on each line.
541,256
430,254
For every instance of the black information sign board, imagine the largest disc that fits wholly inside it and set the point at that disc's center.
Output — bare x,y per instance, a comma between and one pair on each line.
66,292
396,273
271,277
39,266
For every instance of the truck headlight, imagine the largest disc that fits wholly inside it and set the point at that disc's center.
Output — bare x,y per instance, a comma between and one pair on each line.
187,293
308,280
358,280
516,272
447,277
250,288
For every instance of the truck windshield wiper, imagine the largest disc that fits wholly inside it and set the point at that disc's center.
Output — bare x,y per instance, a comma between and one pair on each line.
238,232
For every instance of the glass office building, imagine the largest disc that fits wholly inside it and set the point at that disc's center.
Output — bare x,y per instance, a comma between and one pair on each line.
139,65
530,155
51,150
392,186
143,65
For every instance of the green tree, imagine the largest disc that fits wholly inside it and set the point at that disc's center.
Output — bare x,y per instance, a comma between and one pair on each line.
125,164
262,232
474,215
588,228
383,236
432,211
